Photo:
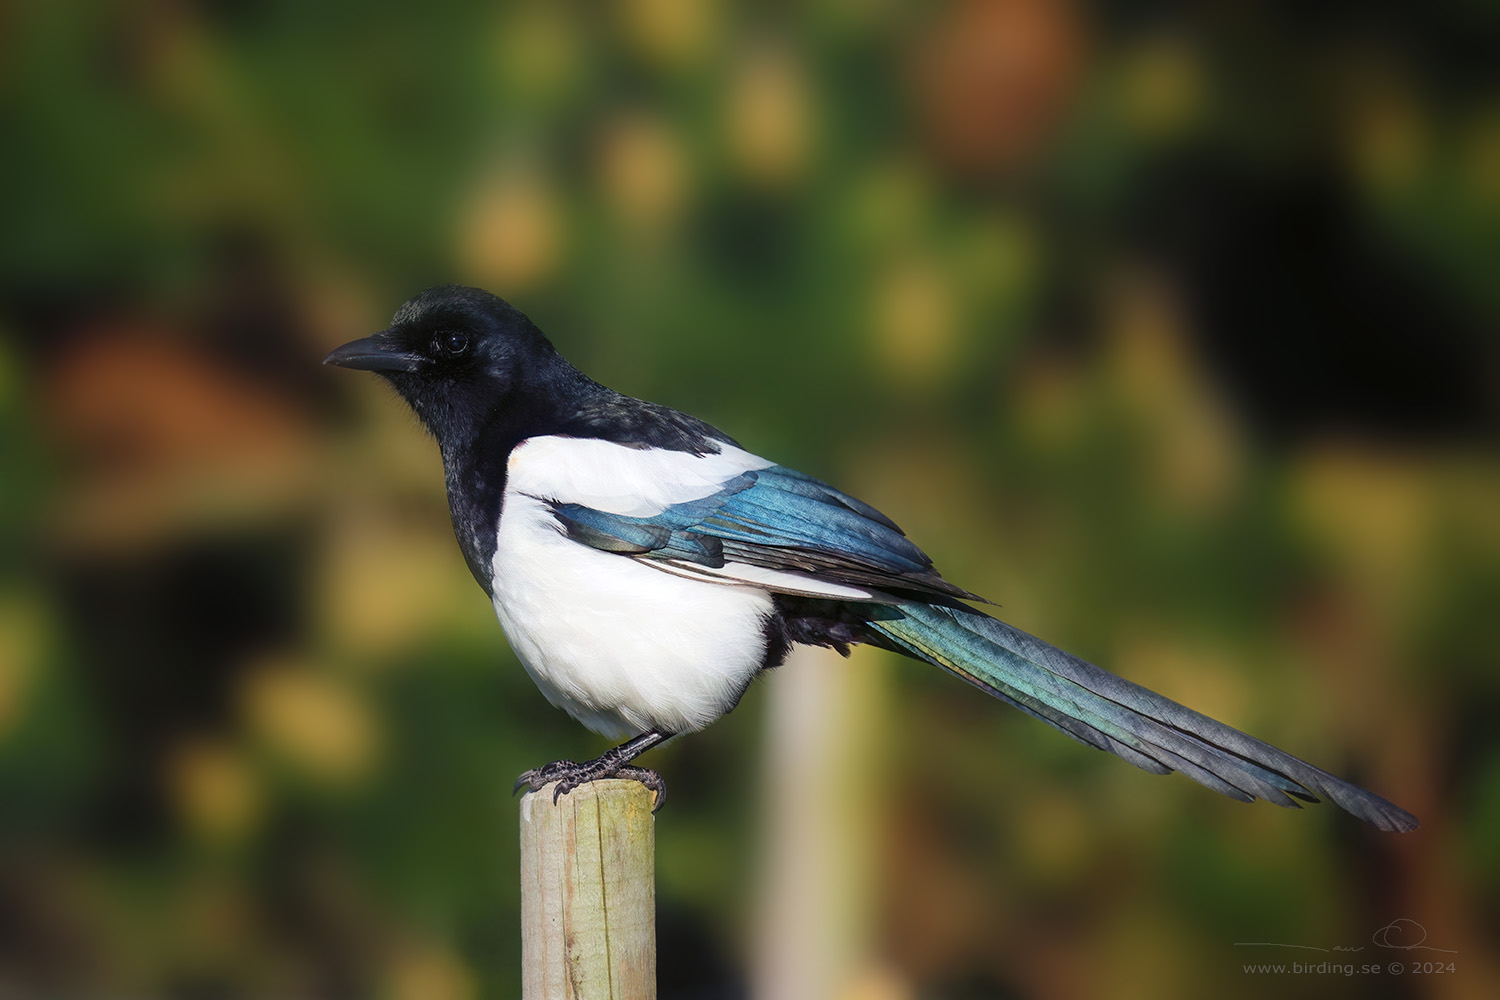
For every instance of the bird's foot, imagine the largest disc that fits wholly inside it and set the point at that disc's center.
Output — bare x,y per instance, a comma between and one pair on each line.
538,777
569,775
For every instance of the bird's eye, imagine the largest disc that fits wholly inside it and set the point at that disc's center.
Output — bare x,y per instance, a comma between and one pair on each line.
453,343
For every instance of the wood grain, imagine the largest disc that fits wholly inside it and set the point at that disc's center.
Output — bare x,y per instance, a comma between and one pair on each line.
588,893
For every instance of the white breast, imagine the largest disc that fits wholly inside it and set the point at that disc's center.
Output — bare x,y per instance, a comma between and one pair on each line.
622,646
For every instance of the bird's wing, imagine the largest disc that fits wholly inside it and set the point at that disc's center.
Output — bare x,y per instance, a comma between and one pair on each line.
732,518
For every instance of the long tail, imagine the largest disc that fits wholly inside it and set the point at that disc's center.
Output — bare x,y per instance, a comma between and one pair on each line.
1101,710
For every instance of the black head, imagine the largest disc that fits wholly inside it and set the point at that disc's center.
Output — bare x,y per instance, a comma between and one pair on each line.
457,355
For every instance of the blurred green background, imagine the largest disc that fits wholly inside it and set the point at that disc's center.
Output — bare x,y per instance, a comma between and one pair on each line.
1171,327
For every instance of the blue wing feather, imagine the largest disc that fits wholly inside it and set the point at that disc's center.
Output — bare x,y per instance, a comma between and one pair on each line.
776,518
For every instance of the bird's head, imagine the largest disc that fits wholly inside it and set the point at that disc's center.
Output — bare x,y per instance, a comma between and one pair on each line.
456,355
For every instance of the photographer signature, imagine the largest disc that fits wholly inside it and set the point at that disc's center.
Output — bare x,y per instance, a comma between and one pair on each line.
1401,934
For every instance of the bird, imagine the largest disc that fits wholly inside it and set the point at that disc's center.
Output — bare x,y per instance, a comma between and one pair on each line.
646,568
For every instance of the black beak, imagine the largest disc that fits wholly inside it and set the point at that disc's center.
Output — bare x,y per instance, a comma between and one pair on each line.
372,354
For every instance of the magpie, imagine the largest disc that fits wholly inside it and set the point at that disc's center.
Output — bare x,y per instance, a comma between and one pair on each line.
646,568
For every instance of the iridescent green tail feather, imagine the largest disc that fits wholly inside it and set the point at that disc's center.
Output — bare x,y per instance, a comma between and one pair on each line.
1101,710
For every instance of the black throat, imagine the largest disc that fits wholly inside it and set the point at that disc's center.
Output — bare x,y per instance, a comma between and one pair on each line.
475,476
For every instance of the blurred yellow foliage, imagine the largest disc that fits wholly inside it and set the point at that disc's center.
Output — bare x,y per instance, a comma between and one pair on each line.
877,982
316,721
1372,509
645,171
1148,358
1051,403
216,791
1162,89
513,233
1196,446
429,973
770,117
670,33
25,637
1388,135
915,322
395,594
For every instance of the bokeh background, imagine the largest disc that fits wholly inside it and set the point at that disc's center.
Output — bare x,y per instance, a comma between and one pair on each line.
1169,326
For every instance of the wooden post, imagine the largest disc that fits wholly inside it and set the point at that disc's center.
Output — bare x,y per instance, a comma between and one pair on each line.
588,893
815,933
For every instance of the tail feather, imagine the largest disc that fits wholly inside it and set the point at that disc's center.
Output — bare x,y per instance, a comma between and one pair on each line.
1098,709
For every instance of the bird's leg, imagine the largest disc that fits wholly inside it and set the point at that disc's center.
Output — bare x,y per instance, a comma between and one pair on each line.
612,763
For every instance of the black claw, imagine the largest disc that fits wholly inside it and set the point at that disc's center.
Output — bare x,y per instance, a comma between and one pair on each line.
569,776
650,779
539,777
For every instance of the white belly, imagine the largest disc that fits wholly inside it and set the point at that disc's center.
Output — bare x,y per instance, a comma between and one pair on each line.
620,646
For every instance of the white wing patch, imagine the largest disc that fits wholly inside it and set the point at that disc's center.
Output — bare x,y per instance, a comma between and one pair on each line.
619,479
